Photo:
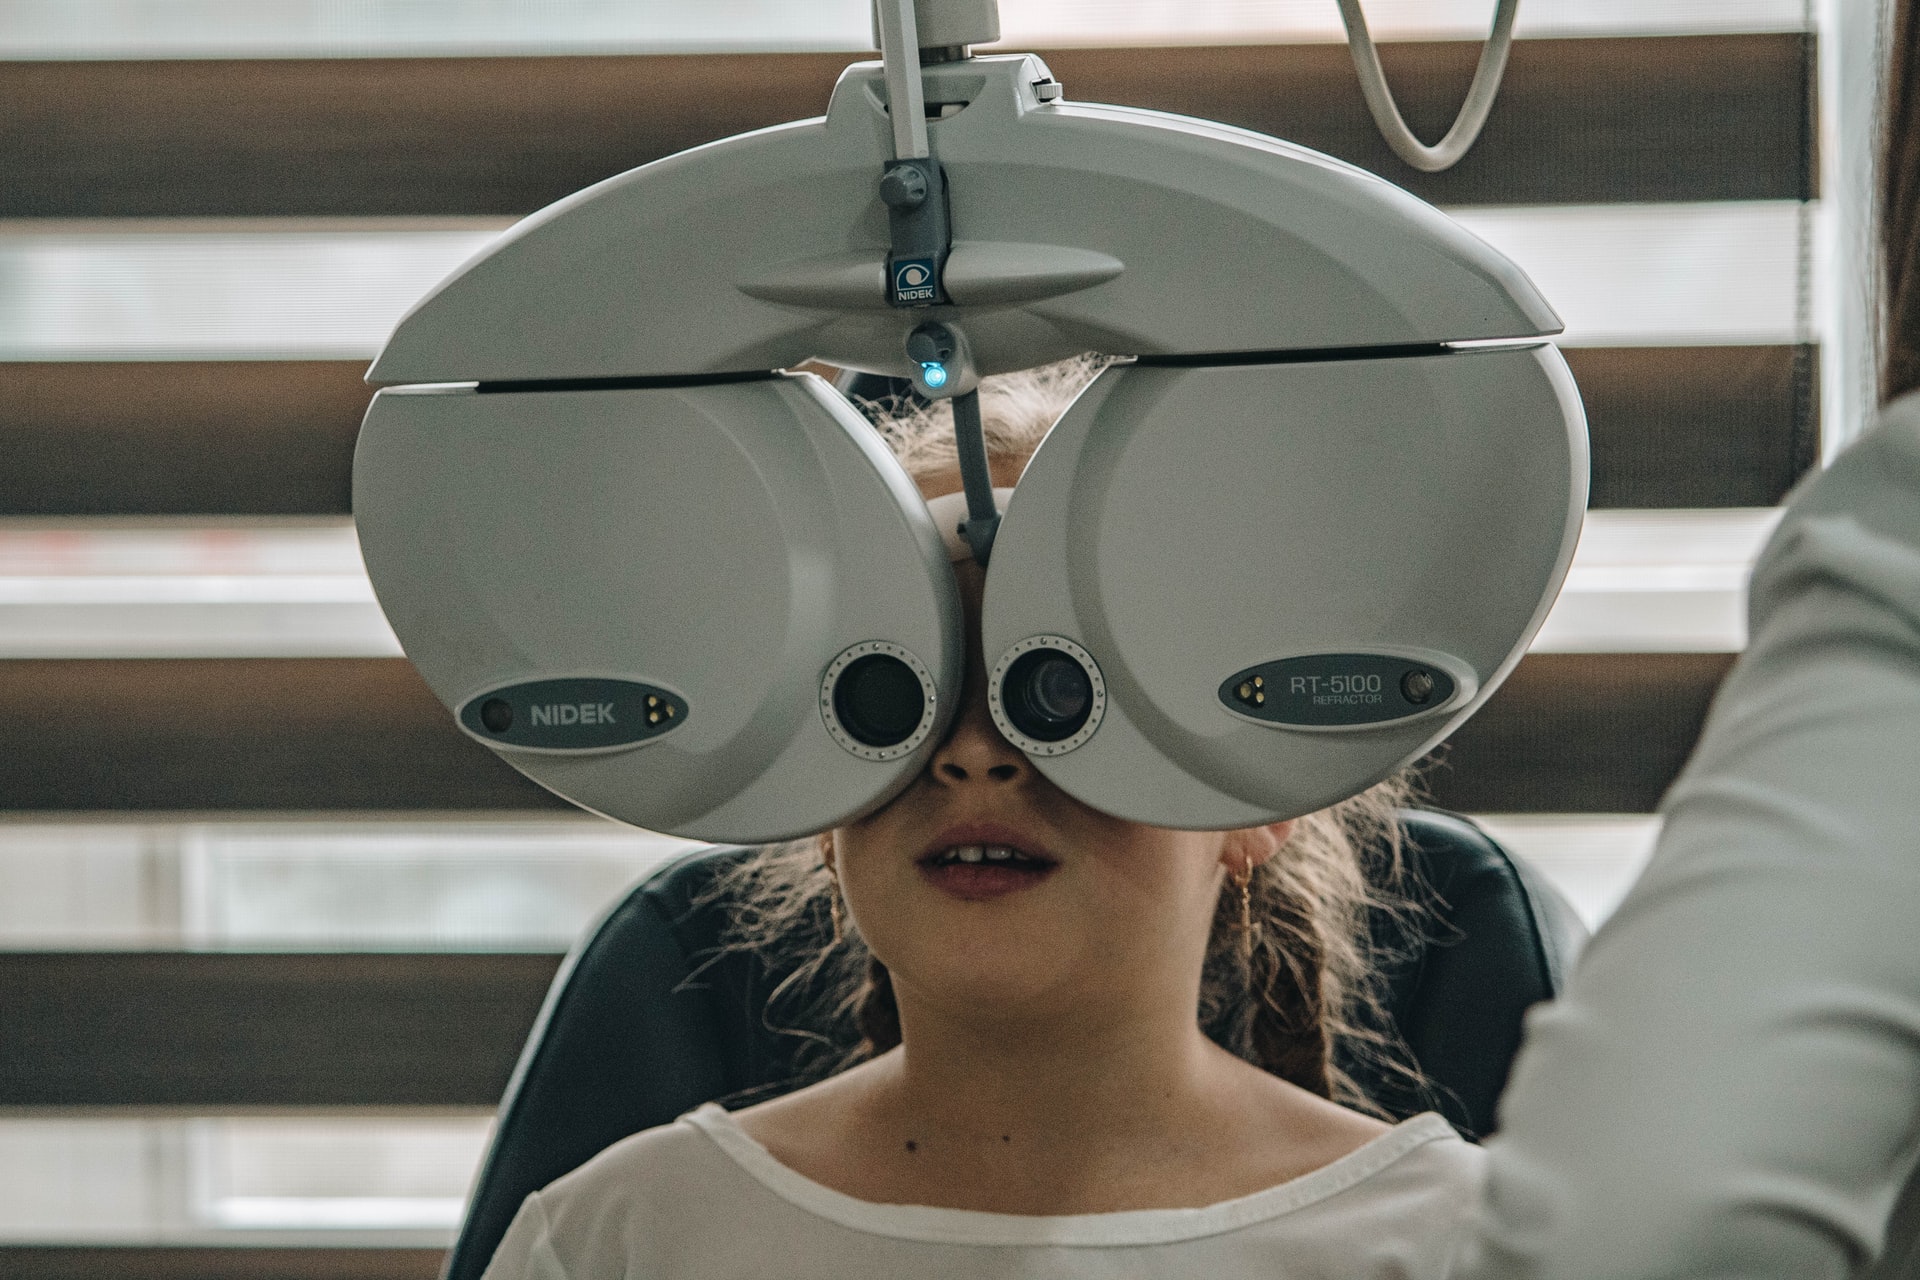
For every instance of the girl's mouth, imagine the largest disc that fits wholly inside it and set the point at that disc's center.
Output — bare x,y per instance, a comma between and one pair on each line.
979,872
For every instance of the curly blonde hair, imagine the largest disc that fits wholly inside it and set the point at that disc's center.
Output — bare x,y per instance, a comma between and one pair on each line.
1299,994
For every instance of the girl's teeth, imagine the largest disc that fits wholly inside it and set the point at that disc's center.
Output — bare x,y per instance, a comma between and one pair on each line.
972,853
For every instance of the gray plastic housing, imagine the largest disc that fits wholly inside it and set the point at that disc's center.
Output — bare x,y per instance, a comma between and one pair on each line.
1077,228
1184,524
724,543
613,504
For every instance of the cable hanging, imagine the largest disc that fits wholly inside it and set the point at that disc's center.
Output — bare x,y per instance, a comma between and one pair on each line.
1473,113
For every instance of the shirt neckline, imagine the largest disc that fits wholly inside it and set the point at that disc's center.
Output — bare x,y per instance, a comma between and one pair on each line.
930,1224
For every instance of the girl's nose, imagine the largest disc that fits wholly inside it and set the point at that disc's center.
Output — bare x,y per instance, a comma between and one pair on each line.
974,751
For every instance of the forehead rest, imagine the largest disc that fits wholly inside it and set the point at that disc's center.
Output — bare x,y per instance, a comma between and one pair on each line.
949,511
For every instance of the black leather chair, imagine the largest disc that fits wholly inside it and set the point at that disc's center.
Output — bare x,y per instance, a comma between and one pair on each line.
642,1023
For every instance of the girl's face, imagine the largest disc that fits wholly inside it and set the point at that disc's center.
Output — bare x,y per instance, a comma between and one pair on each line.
989,892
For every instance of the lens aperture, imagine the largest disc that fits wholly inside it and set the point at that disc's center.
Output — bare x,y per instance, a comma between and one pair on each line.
879,700
1047,695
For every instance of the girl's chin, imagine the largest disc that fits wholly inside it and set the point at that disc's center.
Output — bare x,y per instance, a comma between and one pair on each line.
1007,991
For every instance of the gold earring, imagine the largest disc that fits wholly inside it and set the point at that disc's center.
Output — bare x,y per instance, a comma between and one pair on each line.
836,905
1244,935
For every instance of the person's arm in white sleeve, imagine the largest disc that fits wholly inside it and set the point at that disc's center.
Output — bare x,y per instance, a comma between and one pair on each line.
526,1251
1731,1084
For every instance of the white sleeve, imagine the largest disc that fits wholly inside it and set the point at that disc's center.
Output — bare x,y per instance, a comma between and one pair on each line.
1731,1084
526,1251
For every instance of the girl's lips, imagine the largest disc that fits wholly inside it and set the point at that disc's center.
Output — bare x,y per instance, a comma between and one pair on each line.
980,861
984,881
986,835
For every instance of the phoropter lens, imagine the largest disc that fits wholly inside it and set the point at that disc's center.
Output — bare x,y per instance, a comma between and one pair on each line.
1047,695
1060,690
879,700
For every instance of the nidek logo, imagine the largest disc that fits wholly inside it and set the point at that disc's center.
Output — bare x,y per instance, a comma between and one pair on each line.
574,713
913,281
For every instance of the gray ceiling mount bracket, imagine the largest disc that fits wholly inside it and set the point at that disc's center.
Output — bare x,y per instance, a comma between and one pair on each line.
946,24
912,186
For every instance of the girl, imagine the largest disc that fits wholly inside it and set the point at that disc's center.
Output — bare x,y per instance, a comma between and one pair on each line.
1035,1091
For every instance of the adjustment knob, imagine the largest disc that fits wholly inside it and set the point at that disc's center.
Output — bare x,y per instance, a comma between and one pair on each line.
903,187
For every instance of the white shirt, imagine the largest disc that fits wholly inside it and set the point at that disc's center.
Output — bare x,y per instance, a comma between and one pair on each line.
1731,1084
700,1200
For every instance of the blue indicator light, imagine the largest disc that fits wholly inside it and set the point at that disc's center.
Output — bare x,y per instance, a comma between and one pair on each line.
935,375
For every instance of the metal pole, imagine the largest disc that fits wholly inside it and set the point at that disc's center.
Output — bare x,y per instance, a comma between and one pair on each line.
906,99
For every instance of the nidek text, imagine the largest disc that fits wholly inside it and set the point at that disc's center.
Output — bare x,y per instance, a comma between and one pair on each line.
565,713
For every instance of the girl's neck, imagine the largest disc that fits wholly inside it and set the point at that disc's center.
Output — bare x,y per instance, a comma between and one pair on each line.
1042,1127
1058,1084
1074,1114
